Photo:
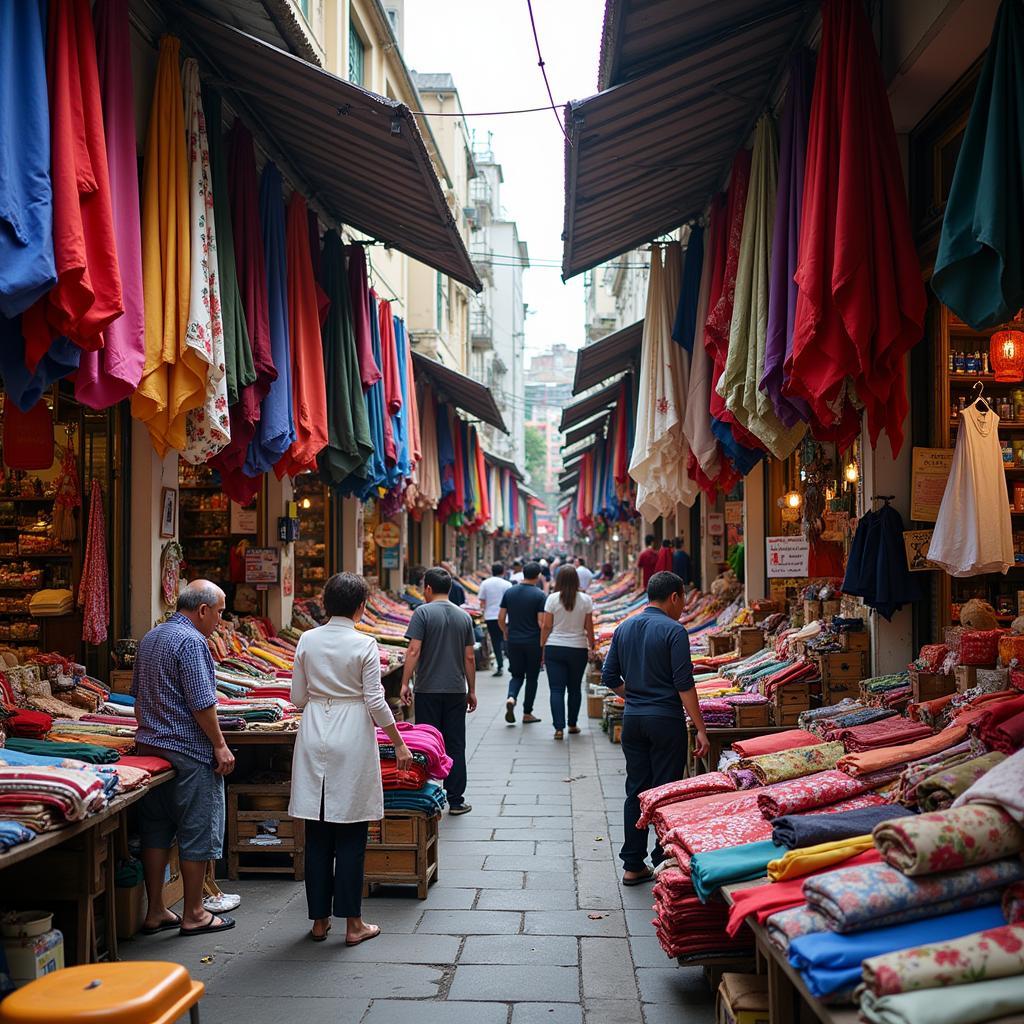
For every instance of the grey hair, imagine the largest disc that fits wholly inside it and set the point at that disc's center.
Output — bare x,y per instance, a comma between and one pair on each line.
197,593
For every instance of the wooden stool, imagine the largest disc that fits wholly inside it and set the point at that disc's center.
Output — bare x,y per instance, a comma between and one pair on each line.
146,992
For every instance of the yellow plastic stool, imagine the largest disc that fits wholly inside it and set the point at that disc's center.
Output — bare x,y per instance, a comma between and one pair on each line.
146,992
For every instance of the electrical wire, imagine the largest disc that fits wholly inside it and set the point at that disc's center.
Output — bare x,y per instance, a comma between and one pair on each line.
478,113
543,71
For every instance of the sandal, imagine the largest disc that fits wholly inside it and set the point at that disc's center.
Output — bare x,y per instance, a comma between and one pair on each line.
374,932
574,730
558,734
640,879
226,924
320,938
165,927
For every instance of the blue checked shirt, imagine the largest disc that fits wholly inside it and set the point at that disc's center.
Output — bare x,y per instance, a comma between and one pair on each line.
173,677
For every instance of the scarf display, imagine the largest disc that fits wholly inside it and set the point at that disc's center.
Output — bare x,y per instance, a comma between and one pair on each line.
94,589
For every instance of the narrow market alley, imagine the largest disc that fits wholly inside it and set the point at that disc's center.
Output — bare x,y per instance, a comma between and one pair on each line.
527,923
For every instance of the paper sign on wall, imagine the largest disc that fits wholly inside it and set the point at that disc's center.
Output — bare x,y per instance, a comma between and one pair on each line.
716,524
262,565
734,513
787,556
929,473
917,543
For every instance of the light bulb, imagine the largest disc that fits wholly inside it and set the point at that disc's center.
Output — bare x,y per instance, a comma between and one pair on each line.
793,499
852,474
306,503
615,538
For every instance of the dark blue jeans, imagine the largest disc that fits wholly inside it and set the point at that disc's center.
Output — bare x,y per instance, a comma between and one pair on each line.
524,664
565,667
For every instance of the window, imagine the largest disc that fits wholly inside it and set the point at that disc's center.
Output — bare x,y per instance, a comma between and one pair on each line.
356,55
303,5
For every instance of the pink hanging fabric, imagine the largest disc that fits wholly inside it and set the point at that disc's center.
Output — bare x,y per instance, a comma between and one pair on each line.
94,590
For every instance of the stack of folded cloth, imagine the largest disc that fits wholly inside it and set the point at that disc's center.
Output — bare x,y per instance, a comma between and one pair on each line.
775,742
793,764
429,799
886,732
864,716
717,714
1001,725
415,777
939,790
924,768
89,752
13,833
51,602
902,753
817,720
46,798
426,740
685,789
686,927
33,725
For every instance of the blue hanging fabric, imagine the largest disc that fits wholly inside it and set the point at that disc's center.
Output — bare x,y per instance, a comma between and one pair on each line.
685,327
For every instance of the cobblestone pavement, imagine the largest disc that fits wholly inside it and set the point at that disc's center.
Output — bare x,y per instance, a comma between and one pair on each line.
528,922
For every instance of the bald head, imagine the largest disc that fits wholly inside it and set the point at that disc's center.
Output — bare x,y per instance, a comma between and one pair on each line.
202,603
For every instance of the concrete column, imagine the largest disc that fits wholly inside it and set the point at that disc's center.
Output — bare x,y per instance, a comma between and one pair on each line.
427,538
280,598
150,475
351,555
753,534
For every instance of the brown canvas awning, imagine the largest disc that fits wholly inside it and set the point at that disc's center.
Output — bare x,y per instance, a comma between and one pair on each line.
592,428
462,391
503,463
613,354
358,155
646,155
588,406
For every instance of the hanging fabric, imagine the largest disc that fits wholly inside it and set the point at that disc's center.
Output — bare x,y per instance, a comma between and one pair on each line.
685,325
861,303
174,377
392,387
323,303
430,473
28,436
207,428
876,568
94,589
362,316
87,295
979,269
67,494
111,373
413,411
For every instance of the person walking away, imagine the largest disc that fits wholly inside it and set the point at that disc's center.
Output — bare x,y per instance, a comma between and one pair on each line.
585,575
441,655
491,591
664,563
175,695
567,637
517,572
457,595
649,664
681,562
336,782
520,617
646,562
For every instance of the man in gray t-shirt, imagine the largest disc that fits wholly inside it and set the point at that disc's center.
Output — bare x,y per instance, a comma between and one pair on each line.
442,657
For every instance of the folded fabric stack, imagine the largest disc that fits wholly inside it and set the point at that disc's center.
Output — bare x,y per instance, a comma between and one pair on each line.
775,742
685,926
938,791
864,716
429,799
415,777
1001,998
13,833
800,830
45,798
32,725
426,740
793,764
1001,725
90,752
887,732
863,762
815,791
684,789
51,602
924,768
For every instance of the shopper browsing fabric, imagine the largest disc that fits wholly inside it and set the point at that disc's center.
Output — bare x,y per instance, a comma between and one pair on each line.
336,778
491,591
649,664
175,695
441,654
567,636
520,617
456,595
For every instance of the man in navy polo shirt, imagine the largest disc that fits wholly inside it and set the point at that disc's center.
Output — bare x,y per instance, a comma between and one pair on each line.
649,664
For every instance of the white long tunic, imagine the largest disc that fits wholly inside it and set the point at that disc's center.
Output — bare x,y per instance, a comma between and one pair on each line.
336,680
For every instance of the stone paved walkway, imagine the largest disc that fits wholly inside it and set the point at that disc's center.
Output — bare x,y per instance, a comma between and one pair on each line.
527,924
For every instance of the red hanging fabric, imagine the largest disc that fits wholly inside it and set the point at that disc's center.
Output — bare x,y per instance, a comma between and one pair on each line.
94,590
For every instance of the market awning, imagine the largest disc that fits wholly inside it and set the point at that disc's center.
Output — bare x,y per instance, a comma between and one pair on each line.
503,463
460,390
613,354
572,461
592,428
359,155
584,408
566,483
646,155
569,452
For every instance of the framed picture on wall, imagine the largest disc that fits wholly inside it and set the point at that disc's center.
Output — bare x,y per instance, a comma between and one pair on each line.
168,512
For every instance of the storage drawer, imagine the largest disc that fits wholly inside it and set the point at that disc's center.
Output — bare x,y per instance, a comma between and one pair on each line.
793,695
390,862
398,830
843,665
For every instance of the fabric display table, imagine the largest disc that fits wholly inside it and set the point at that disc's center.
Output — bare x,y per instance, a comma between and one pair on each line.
718,740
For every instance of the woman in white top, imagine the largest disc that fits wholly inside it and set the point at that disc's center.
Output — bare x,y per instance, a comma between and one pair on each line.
336,680
567,638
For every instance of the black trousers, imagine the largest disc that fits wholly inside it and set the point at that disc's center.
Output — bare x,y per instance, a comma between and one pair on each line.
446,712
497,642
655,750
565,666
524,664
334,857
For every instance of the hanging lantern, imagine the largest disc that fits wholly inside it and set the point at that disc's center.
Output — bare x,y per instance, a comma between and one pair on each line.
1006,354
852,473
792,499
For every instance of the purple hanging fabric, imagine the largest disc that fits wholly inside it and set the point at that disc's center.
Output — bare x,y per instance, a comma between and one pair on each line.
785,241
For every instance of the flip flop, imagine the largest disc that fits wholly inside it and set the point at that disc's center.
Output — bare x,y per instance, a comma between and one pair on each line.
374,932
226,924
319,938
165,927
639,880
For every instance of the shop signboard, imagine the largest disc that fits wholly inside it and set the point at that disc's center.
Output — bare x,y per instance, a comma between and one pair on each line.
243,520
389,558
387,535
716,524
787,556
734,513
929,473
917,543
262,566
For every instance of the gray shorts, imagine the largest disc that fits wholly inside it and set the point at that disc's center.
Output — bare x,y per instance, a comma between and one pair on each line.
190,807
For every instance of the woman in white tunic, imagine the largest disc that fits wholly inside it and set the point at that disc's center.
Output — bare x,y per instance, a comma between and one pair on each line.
336,780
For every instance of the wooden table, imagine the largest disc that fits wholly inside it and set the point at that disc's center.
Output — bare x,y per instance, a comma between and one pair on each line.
719,739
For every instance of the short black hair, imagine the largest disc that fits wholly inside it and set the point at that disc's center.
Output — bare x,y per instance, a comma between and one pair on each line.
679,543
531,570
344,592
649,539
497,569
663,585
439,580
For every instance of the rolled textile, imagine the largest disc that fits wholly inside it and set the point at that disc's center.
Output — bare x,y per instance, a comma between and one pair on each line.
88,752
996,953
813,859
959,837
13,833
1002,786
885,733
852,899
774,742
683,789
786,925
830,962
808,793
958,1004
914,774
940,790
1000,725
1013,903
798,830
874,760
710,871
744,778
793,764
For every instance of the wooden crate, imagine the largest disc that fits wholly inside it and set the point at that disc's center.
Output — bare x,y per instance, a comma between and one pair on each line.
749,641
595,706
841,674
402,849
789,701
931,685
721,643
751,715
250,805
121,680
857,640
965,677
831,608
788,716
812,610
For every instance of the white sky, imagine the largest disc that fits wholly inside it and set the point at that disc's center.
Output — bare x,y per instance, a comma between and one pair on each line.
487,46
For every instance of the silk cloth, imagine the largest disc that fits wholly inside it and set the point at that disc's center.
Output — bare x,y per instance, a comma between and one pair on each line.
811,859
712,869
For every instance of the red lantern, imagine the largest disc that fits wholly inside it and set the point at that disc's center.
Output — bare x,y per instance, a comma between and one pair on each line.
1006,354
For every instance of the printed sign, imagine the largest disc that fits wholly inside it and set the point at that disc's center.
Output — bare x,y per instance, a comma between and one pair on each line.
243,520
787,556
734,513
717,549
716,524
387,535
929,474
389,558
837,526
262,565
917,543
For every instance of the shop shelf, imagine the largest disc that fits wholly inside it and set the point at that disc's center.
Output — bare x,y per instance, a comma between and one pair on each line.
206,536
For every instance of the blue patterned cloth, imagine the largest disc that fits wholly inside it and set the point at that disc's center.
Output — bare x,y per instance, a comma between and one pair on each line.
12,833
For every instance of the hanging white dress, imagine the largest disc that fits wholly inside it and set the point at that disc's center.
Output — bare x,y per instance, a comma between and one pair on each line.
973,533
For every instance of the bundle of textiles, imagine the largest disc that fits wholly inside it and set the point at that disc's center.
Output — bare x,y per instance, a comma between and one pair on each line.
91,753
44,798
415,777
422,739
429,799
886,732
13,833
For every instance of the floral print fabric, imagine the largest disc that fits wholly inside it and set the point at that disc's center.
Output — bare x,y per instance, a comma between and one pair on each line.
854,898
1000,998
940,790
683,789
793,764
1013,903
808,793
1003,787
947,840
995,953
787,925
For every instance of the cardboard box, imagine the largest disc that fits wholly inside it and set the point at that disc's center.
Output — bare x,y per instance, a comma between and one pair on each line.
742,999
130,903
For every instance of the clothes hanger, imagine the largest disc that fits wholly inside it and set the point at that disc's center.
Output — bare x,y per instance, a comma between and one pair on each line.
979,396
